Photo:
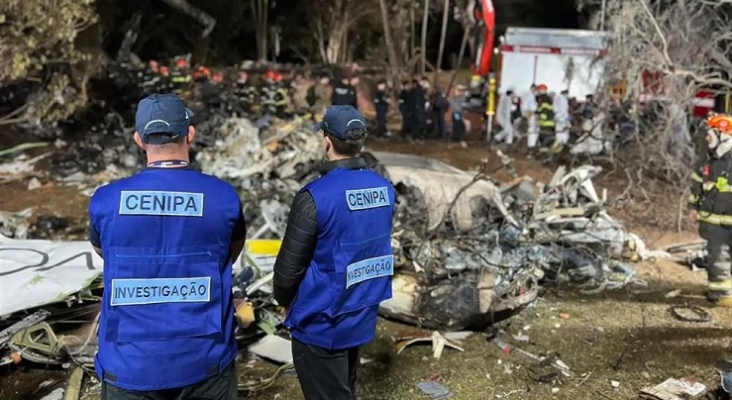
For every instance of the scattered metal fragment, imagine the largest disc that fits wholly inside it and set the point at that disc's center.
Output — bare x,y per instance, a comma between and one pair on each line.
435,390
15,224
550,378
439,342
674,389
273,348
681,313
56,394
73,386
23,324
725,374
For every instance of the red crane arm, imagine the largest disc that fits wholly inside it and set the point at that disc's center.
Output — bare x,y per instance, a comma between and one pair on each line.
485,17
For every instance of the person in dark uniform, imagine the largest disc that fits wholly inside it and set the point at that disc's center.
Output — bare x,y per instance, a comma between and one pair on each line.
281,97
246,93
269,93
343,93
353,87
336,262
440,105
406,108
381,103
419,114
545,112
710,204
168,236
180,78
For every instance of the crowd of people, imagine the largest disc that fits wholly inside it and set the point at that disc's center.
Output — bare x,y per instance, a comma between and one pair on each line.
426,111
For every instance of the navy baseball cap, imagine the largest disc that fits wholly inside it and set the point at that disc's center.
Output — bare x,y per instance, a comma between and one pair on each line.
162,113
340,119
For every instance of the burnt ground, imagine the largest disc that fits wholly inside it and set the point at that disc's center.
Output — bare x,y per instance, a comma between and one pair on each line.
626,336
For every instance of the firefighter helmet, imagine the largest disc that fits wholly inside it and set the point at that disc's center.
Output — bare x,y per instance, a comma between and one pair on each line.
720,123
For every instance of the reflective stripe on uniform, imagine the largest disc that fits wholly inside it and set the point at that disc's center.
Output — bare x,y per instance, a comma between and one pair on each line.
693,199
715,219
721,185
696,177
722,286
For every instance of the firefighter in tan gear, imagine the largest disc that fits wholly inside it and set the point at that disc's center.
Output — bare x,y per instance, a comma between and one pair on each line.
710,203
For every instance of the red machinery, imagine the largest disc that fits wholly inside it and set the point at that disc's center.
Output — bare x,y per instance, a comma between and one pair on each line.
484,15
485,18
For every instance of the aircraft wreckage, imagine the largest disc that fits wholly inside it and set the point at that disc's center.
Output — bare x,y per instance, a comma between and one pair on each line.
470,251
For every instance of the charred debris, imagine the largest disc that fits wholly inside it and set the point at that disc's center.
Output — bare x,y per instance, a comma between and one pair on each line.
471,251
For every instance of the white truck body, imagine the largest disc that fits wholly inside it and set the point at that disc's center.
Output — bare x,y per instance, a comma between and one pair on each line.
559,58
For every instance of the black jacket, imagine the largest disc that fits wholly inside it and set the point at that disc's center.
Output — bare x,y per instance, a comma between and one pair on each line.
419,99
343,95
406,102
301,237
380,100
711,193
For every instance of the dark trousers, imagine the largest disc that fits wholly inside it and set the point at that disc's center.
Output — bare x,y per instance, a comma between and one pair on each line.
407,125
438,118
325,374
719,266
419,124
458,128
222,386
381,121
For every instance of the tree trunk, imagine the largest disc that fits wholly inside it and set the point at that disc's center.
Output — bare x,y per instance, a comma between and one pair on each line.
265,30
389,43
260,13
423,45
320,38
412,34
466,34
445,15
185,7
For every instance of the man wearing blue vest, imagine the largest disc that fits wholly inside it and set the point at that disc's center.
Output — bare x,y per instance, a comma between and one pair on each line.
168,236
336,263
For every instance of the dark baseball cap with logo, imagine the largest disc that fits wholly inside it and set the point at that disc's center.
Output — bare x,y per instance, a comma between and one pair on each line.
340,119
162,113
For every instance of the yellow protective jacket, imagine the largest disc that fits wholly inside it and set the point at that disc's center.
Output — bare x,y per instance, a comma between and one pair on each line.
711,192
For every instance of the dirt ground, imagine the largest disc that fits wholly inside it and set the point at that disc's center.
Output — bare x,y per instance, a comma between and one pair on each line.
628,336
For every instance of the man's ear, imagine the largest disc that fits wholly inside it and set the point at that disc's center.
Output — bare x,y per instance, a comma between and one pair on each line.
328,144
191,135
139,142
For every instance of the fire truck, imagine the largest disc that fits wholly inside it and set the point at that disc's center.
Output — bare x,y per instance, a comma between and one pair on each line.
560,58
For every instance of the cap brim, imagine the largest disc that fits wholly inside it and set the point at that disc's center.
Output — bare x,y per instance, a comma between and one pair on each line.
318,126
190,113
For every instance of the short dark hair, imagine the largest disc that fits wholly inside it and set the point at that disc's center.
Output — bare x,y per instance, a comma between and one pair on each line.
351,145
162,136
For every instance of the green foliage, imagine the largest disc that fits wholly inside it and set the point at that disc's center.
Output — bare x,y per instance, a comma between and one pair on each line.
39,42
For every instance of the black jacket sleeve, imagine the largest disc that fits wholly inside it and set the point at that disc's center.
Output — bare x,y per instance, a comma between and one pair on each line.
297,249
696,190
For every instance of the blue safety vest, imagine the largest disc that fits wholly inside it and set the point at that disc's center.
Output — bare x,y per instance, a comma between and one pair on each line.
167,317
337,304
